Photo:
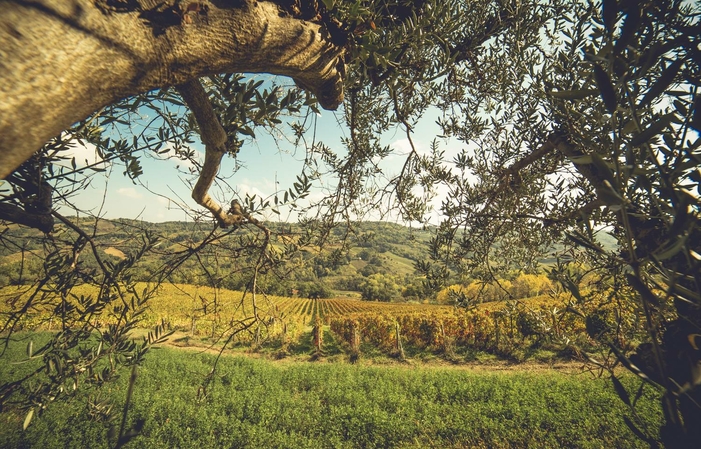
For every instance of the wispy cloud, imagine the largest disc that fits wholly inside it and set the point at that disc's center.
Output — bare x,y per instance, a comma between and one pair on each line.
250,190
129,192
261,187
402,146
84,154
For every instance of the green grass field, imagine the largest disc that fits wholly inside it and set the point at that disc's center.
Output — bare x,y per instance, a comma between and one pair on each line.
254,403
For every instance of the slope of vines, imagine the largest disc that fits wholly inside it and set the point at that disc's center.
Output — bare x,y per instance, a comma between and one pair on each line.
493,327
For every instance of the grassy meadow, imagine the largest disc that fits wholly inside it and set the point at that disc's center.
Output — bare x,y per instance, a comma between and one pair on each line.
256,403
454,391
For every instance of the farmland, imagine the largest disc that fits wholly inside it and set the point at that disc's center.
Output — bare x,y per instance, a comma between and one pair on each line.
334,373
280,404
512,331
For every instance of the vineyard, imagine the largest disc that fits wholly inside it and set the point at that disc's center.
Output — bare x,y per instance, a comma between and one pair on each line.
496,327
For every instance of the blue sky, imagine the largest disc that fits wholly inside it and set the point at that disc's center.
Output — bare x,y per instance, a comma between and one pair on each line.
267,166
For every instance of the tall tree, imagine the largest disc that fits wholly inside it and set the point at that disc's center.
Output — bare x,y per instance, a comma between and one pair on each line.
596,133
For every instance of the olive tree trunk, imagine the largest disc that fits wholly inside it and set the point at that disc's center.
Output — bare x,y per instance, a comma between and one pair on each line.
61,60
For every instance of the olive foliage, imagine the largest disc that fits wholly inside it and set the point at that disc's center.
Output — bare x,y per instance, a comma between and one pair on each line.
560,120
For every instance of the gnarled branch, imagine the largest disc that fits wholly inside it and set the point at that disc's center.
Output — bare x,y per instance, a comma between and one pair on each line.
62,60
214,138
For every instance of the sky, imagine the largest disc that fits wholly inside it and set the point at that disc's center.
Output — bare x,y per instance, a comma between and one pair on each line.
267,167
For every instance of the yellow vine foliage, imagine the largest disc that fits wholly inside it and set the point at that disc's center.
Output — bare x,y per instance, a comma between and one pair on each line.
523,286
207,311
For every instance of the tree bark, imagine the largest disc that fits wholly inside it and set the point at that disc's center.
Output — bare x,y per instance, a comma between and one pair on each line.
61,60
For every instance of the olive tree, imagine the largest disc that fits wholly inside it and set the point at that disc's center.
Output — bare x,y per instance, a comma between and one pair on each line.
559,119
598,132
82,72
62,61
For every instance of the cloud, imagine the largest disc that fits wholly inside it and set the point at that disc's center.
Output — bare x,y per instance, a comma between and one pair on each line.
247,189
129,192
402,146
262,187
83,153
86,154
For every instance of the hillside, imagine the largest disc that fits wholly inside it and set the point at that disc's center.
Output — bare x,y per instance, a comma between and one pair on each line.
346,260
372,260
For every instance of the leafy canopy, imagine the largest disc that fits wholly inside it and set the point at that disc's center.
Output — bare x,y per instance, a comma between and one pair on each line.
559,120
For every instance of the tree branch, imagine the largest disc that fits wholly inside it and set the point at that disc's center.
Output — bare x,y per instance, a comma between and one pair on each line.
15,214
214,138
560,142
62,60
504,181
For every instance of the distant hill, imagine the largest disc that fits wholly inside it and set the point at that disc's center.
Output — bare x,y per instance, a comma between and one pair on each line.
374,259
372,248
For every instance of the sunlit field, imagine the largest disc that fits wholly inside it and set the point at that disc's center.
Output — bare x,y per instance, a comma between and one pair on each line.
202,312
257,403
